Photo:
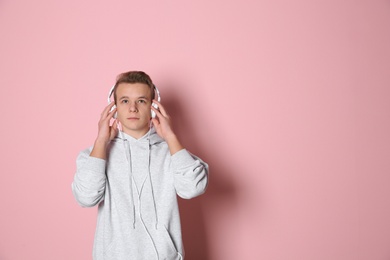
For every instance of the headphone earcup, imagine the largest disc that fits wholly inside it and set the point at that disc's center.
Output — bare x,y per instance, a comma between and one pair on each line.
153,114
116,113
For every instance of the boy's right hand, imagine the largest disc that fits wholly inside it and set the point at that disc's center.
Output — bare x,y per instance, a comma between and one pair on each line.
106,132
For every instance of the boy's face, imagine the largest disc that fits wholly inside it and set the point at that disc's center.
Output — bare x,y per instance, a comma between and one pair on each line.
133,108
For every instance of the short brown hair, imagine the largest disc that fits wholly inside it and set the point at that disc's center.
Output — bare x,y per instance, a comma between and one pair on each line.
134,77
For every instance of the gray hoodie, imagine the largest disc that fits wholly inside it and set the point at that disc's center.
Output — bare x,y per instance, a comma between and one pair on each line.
135,188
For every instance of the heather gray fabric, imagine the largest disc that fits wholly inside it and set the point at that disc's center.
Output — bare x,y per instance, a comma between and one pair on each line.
136,188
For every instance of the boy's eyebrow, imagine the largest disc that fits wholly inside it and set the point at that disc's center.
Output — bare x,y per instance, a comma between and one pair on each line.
142,97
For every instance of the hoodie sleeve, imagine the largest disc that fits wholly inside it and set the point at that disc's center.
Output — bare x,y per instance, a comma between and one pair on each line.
190,174
90,179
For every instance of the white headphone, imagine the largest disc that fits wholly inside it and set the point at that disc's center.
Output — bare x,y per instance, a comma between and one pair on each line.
153,114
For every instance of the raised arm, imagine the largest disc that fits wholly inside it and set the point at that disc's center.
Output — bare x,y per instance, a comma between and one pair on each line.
190,172
90,179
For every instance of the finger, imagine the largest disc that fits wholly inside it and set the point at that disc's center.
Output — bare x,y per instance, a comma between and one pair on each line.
155,122
156,125
106,120
115,124
107,109
111,114
113,133
114,129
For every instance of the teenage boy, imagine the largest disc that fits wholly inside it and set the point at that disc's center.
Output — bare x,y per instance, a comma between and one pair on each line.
134,175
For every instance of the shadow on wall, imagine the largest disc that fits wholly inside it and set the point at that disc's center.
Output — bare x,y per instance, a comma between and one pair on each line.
221,194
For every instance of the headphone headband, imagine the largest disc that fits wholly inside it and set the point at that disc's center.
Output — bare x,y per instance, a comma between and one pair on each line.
110,94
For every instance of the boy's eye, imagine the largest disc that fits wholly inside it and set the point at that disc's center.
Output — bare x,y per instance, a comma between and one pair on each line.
141,101
124,101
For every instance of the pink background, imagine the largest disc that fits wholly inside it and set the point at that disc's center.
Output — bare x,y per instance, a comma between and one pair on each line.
288,101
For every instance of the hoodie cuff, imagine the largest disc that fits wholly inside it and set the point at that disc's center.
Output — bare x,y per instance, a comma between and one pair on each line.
181,159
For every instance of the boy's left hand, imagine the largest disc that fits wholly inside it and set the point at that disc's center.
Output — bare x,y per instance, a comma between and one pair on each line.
162,122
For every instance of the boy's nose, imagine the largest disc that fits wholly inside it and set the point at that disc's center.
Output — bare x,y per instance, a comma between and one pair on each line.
133,107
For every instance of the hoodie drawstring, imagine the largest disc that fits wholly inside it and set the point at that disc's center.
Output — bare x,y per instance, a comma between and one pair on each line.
128,156
151,188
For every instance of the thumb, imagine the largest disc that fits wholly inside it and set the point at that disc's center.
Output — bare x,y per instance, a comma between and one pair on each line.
155,122
114,129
